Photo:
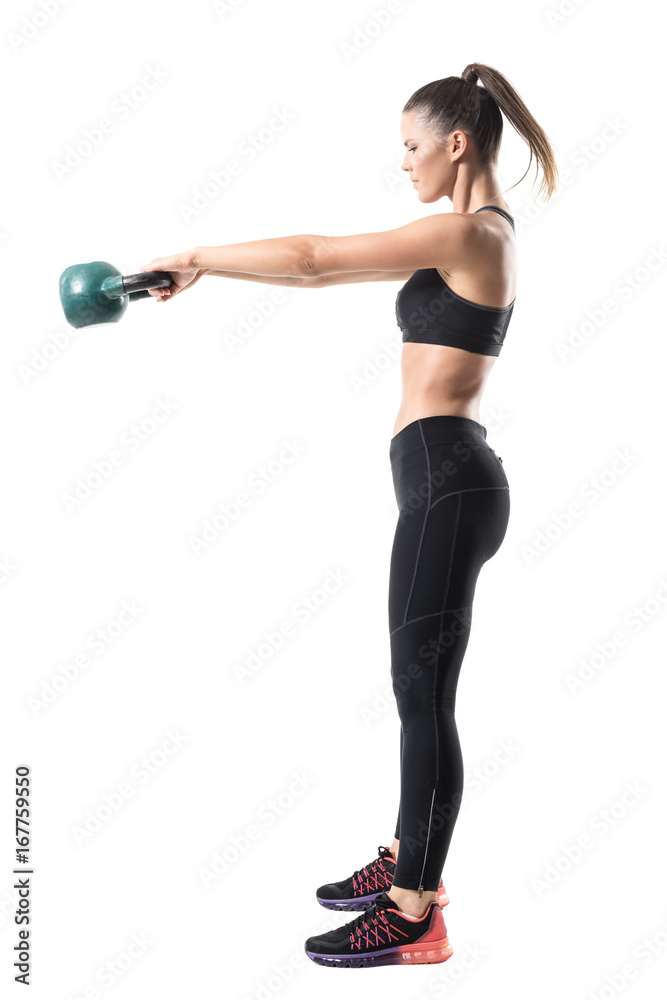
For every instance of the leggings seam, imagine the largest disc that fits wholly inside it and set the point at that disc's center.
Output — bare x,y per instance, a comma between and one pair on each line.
437,662
472,489
421,539
451,554
444,611
435,712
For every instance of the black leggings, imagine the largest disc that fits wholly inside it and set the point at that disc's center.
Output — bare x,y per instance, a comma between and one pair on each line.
453,501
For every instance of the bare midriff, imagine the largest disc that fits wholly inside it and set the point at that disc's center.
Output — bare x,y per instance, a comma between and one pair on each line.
439,380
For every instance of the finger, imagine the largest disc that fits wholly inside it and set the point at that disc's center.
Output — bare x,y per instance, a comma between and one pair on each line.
157,264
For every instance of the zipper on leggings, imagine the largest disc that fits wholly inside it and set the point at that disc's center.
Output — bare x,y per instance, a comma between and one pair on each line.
421,880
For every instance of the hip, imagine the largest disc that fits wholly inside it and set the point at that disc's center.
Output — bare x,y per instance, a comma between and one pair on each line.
438,455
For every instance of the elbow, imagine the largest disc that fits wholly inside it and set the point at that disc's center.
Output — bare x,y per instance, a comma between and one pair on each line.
309,260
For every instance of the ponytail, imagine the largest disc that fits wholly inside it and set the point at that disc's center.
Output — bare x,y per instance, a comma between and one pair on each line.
458,102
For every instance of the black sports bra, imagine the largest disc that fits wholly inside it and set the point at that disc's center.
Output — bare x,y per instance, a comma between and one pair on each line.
429,312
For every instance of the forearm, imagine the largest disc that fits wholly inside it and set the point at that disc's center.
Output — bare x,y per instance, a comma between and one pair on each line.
283,256
267,279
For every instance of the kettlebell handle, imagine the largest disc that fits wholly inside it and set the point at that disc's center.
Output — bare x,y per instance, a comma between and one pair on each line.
136,285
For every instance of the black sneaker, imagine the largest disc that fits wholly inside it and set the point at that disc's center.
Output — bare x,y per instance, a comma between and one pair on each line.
383,936
362,889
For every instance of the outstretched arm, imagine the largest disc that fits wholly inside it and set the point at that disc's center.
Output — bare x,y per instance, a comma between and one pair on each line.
317,281
437,240
443,240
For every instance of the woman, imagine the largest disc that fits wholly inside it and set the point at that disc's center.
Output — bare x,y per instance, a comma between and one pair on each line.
459,274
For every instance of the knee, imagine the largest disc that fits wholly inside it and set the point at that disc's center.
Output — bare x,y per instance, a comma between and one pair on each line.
413,694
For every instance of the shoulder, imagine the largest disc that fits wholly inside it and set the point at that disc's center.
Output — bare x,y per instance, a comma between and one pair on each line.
445,239
443,225
456,238
480,237
456,233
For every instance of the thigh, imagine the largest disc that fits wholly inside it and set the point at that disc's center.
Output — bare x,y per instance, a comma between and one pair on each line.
453,516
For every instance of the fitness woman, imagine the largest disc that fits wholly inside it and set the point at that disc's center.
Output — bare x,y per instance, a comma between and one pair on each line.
454,308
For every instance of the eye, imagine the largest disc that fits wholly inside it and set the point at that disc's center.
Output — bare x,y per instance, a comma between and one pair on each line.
412,149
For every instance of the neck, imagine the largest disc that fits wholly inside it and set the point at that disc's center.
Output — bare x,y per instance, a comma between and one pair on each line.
472,191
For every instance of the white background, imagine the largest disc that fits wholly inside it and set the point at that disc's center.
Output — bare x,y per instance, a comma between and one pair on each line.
521,914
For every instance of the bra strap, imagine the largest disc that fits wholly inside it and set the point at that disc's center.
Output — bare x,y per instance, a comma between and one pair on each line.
496,208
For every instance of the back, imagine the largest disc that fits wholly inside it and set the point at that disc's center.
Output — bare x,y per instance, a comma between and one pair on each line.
428,311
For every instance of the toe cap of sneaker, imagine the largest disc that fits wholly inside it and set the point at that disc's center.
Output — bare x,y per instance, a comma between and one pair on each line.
329,891
327,944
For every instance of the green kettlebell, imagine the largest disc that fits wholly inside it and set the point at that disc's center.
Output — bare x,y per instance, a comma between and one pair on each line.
98,293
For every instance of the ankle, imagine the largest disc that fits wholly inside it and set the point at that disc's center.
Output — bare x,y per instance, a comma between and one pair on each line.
409,901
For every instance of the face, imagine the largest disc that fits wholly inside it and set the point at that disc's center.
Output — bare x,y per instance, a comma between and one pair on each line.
427,162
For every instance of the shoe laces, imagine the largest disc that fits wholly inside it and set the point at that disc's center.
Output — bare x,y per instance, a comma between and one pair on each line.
373,927
373,875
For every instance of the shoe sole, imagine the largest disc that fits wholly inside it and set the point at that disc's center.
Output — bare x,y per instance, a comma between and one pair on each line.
409,954
365,902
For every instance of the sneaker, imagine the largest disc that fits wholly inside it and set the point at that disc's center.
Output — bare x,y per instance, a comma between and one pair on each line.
383,936
362,889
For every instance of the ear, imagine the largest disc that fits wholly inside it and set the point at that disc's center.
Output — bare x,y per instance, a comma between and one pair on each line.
458,143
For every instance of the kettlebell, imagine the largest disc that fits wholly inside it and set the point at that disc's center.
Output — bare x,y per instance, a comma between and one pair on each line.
98,293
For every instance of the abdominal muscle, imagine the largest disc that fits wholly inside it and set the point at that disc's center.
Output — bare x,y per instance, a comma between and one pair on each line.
439,380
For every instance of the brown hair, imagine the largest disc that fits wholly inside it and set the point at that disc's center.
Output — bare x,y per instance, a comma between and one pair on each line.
458,102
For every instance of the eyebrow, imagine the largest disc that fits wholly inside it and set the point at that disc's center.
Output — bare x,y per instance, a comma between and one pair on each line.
407,141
